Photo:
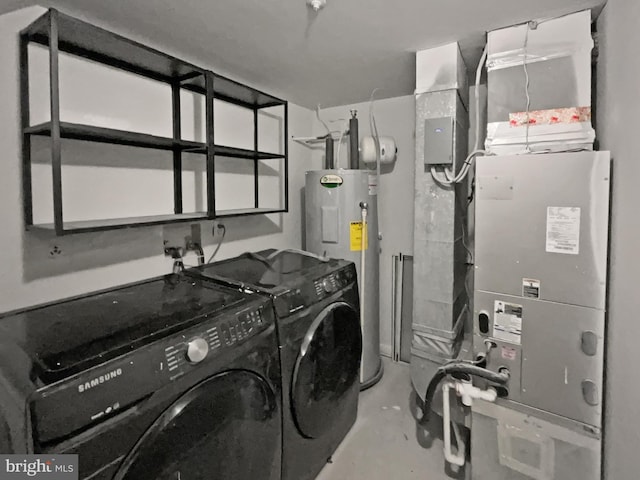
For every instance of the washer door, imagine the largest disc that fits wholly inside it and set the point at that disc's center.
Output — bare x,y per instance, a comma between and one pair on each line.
226,427
327,369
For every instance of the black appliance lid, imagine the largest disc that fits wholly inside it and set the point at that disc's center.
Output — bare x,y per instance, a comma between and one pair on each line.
77,334
271,271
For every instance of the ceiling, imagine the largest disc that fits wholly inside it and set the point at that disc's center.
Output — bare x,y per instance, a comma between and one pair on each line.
335,57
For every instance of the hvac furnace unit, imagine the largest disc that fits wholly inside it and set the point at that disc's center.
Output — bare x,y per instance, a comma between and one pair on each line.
540,297
335,203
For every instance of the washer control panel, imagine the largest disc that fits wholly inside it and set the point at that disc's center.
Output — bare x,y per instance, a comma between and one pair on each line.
197,350
193,348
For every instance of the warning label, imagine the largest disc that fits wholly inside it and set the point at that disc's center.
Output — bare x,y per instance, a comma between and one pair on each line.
563,230
355,236
530,288
373,184
507,322
509,353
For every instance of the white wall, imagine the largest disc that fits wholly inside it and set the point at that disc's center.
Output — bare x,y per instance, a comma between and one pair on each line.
32,272
618,124
395,117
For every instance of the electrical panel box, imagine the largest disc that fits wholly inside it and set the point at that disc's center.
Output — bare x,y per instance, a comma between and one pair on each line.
438,141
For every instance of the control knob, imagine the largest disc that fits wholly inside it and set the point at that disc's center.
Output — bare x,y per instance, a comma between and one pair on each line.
197,350
327,285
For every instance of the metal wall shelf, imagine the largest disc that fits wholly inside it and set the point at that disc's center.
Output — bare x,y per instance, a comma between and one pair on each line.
92,133
120,137
243,153
233,92
62,33
244,211
118,223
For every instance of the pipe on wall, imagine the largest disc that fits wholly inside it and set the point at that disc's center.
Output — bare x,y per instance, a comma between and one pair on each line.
354,153
329,163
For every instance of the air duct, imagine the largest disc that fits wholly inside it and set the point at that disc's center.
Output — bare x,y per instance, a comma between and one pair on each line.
440,303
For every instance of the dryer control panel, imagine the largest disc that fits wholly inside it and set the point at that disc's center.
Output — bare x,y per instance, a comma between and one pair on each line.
310,289
333,282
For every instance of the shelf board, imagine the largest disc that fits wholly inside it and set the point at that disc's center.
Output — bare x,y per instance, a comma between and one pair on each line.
94,43
91,133
231,91
115,223
240,212
243,153
85,40
107,135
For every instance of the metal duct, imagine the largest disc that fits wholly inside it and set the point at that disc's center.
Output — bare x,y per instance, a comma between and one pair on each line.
440,302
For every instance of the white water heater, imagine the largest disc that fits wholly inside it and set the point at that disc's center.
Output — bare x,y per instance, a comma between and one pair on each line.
334,228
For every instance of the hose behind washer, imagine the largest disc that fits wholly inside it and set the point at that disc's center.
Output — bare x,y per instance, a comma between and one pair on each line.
457,367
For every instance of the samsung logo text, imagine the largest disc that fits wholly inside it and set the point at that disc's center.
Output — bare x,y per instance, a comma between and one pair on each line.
83,387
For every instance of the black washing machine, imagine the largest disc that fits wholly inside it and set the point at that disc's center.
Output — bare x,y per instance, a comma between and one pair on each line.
317,312
172,378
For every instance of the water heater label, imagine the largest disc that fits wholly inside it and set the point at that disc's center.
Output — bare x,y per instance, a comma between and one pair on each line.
507,322
373,184
331,181
563,230
355,236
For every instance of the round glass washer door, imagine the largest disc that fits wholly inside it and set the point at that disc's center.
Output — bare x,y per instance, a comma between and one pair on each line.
327,369
226,427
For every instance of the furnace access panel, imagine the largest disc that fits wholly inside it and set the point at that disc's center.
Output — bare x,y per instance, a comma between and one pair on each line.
542,225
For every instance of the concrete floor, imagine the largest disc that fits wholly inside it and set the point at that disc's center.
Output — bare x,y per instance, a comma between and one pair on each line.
385,442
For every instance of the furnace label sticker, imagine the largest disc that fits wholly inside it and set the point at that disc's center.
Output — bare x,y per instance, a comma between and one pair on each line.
530,288
355,236
563,230
507,322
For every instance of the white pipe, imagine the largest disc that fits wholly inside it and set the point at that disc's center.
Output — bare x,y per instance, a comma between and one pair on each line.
468,392
459,458
363,262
